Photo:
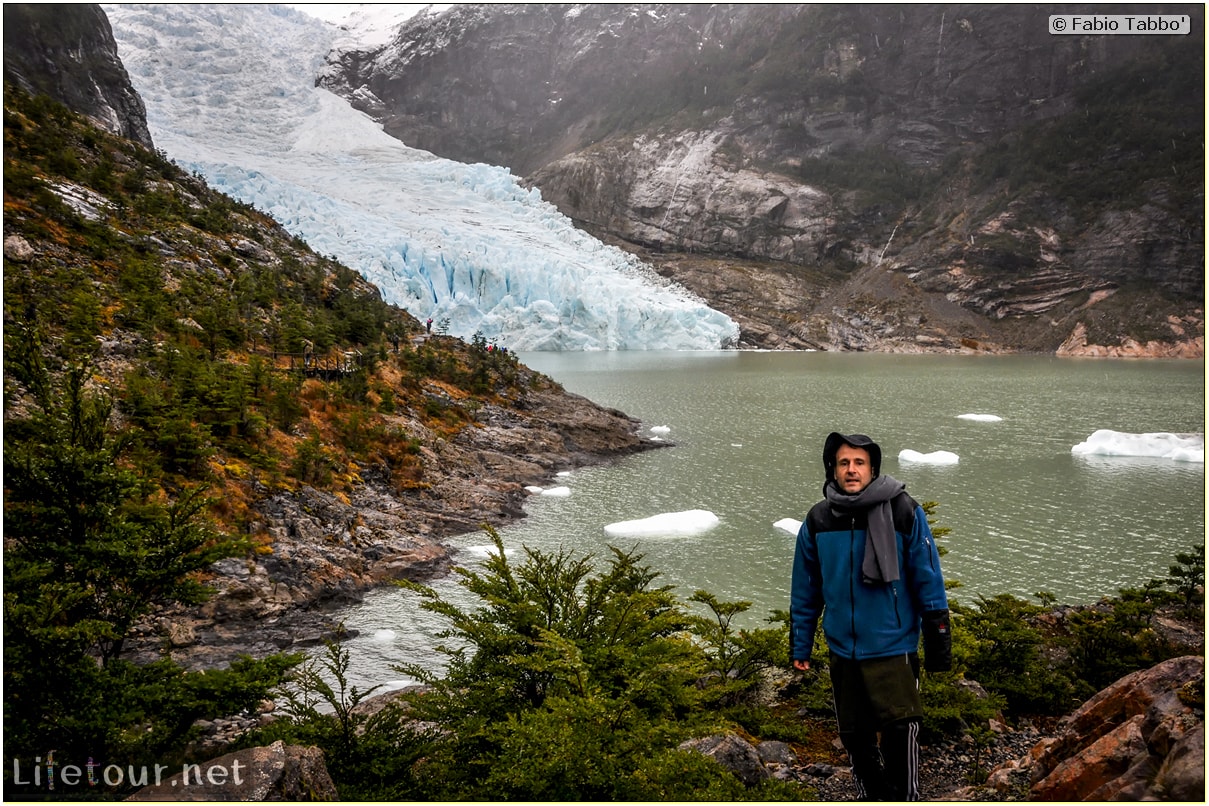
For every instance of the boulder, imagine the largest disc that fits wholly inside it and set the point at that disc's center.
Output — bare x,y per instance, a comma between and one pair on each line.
734,753
1142,738
274,773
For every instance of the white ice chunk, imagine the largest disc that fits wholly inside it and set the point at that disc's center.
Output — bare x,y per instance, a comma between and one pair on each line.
668,524
933,458
384,635
981,418
557,492
395,685
660,429
535,490
487,551
789,525
1159,445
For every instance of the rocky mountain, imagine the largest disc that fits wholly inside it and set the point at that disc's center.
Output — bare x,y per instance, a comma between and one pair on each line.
67,52
923,177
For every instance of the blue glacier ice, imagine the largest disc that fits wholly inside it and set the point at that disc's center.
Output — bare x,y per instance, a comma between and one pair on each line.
230,96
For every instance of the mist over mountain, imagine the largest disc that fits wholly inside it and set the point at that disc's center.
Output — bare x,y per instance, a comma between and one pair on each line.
907,177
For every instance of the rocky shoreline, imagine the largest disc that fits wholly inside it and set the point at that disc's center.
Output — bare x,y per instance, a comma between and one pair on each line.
323,550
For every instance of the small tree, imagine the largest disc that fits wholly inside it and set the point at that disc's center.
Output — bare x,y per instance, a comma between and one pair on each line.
737,656
91,548
85,526
1188,579
569,683
370,755
310,687
997,645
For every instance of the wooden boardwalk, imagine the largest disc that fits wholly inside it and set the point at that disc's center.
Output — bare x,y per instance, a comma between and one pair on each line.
327,366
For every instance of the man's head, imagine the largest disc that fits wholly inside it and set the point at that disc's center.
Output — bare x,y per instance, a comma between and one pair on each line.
852,461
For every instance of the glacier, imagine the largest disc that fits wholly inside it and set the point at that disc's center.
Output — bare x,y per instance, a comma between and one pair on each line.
230,96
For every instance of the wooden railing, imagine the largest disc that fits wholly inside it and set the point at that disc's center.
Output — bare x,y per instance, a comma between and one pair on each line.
327,365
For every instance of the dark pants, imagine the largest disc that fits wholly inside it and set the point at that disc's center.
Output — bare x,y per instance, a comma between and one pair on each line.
880,697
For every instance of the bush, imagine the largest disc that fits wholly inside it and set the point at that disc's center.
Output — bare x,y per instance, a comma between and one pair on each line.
1110,642
370,755
90,548
997,645
570,682
1188,579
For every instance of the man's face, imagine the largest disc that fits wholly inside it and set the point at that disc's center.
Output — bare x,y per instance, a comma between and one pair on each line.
853,470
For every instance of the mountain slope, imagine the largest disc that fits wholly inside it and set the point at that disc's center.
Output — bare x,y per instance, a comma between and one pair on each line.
329,432
845,177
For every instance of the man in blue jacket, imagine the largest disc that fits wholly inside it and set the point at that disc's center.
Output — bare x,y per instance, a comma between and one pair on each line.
867,564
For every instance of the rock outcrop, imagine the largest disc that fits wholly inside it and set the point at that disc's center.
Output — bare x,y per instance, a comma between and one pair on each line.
67,51
278,772
324,550
1142,738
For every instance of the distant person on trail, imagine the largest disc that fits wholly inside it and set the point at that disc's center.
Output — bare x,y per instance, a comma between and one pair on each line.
428,325
866,563
308,353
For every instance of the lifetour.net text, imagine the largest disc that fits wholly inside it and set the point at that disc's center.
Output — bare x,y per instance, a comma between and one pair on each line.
54,775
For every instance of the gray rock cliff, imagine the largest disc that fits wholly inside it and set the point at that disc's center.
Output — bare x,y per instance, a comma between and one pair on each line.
905,178
67,51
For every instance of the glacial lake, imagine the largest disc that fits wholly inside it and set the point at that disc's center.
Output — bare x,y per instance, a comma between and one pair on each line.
1025,514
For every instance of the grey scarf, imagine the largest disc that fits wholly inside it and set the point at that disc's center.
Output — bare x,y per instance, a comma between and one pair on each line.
881,549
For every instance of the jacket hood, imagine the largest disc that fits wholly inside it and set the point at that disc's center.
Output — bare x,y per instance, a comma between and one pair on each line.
836,439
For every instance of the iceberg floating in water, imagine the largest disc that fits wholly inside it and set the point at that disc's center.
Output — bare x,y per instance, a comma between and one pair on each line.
553,492
668,524
1159,445
981,418
487,551
789,525
933,458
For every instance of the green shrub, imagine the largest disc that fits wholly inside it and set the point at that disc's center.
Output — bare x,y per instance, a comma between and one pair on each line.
90,549
952,710
737,657
1188,580
370,755
997,645
313,463
1110,642
572,682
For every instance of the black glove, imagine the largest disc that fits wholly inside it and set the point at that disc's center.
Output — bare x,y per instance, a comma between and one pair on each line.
938,641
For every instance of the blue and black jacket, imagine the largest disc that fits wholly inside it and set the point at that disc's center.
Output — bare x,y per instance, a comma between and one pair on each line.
861,620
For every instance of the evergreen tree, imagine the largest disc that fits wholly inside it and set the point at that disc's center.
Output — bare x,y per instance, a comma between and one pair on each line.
91,547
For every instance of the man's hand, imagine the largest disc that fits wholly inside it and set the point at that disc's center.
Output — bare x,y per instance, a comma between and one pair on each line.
802,665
